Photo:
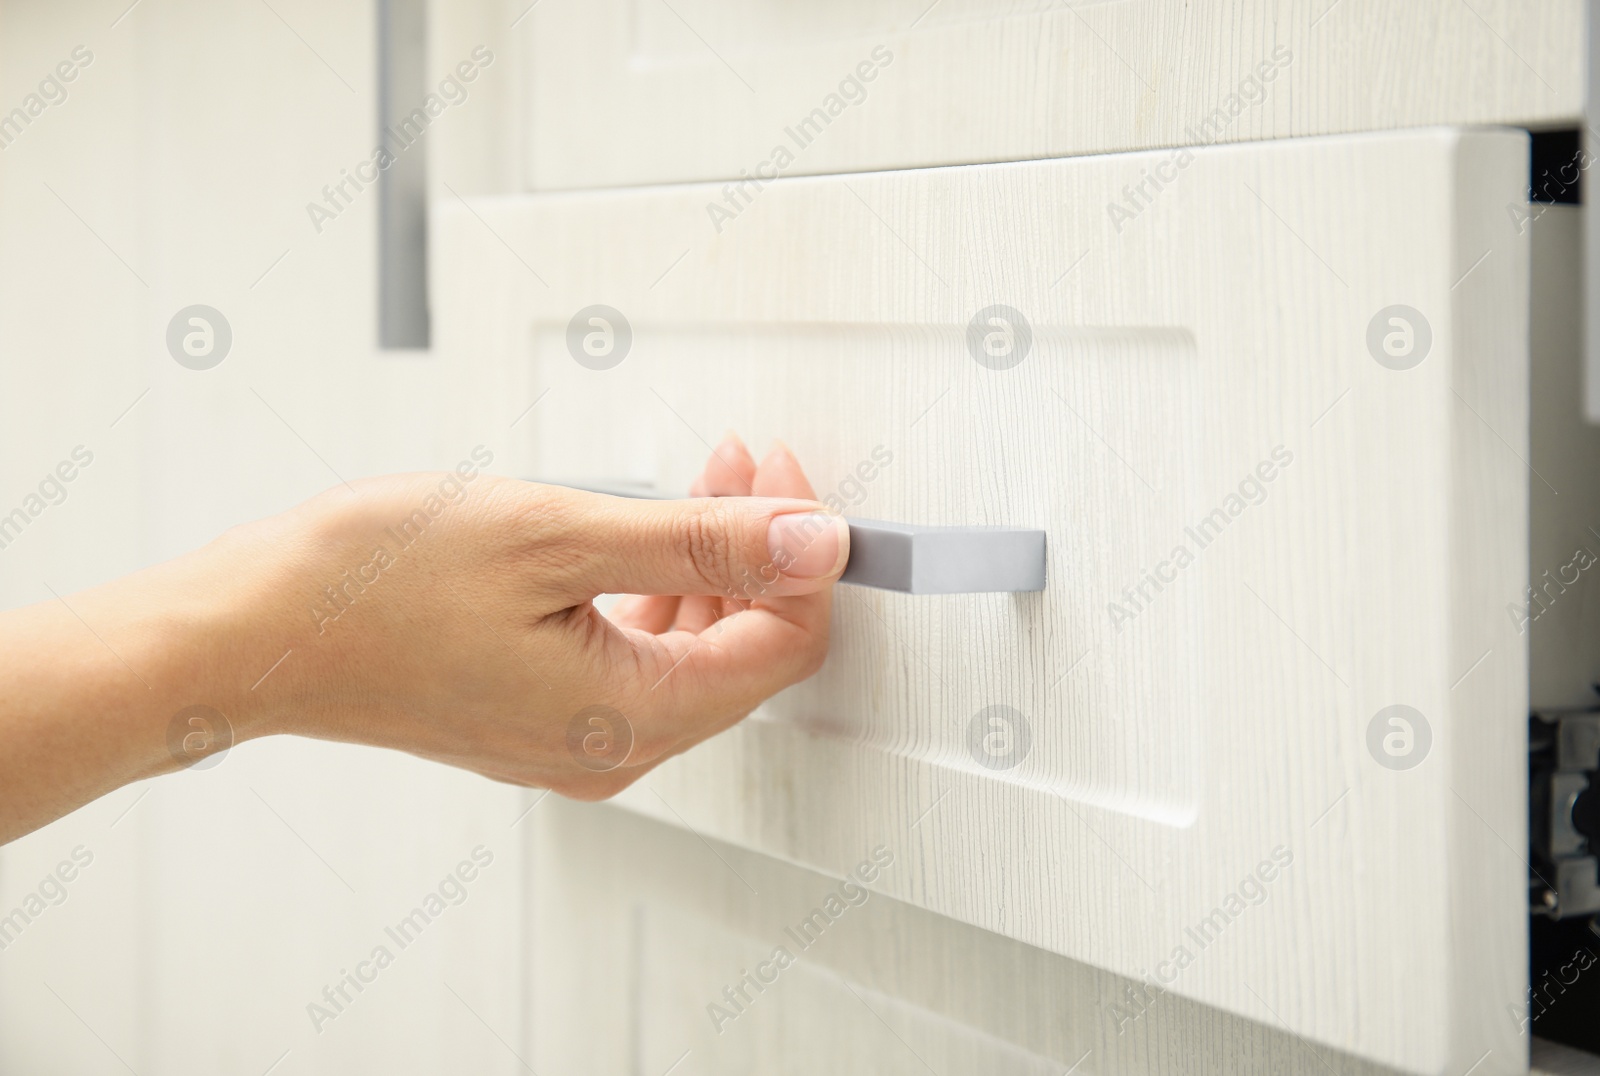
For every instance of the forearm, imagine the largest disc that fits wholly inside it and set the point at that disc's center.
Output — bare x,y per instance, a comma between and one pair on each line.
91,682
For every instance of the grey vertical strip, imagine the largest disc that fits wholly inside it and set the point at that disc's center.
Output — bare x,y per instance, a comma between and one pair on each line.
403,186
1591,225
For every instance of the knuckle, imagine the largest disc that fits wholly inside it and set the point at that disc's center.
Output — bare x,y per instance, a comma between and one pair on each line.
544,514
706,541
544,527
804,656
814,657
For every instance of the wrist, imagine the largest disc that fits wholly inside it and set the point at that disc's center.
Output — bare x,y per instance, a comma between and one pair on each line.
208,635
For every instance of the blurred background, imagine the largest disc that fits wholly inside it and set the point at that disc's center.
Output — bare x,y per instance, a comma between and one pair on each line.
175,171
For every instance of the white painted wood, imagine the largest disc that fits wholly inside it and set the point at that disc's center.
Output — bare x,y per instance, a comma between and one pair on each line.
628,92
482,148
1169,359
640,927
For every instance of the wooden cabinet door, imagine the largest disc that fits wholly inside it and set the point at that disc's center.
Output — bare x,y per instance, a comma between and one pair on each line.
656,951
622,93
1259,744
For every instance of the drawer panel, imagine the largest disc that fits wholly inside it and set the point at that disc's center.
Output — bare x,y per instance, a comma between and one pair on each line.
630,92
680,940
876,439
1274,427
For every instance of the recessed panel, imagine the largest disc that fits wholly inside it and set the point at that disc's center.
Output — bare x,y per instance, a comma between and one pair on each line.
1093,437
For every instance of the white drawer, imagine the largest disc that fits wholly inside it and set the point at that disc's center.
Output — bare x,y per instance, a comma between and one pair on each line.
628,92
1201,377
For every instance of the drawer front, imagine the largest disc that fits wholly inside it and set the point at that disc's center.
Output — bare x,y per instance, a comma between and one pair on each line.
629,92
1273,425
721,978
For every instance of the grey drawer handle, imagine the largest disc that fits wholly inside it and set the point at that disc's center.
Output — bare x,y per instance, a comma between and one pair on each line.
914,559
944,560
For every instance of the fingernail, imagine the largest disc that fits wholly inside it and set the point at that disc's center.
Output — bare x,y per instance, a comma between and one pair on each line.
808,545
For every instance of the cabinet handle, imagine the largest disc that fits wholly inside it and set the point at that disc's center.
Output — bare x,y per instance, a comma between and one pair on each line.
403,185
915,559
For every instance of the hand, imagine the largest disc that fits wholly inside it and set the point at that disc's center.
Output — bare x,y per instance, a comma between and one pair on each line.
451,616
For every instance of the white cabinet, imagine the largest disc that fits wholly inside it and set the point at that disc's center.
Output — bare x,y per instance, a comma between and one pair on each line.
1214,363
631,92
640,929
1260,741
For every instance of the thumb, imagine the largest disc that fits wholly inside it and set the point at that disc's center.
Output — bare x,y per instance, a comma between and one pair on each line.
734,547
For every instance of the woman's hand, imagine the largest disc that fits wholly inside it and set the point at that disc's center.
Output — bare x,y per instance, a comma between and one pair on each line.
448,615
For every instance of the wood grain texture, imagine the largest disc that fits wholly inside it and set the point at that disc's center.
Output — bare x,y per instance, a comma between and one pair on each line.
1138,388
1373,572
1484,744
624,93
639,927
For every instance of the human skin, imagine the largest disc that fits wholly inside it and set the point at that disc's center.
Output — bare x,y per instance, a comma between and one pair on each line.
479,646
